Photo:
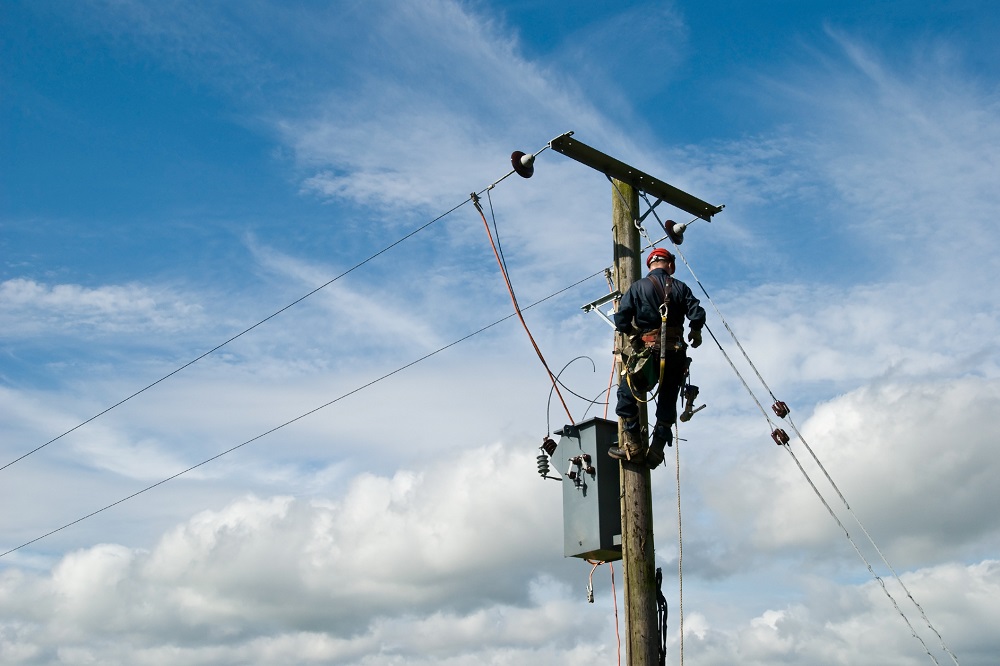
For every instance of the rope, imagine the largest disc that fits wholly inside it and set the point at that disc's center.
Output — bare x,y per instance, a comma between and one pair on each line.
680,544
517,308
611,382
297,418
614,361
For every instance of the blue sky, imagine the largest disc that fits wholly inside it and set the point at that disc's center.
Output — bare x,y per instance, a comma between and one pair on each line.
174,173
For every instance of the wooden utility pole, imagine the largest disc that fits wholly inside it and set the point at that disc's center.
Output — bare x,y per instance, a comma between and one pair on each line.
638,555
637,503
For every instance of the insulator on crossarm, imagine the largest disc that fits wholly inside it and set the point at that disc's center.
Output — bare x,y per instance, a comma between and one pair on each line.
524,164
675,231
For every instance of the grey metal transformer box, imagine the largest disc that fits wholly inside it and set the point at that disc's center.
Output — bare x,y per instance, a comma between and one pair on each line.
592,519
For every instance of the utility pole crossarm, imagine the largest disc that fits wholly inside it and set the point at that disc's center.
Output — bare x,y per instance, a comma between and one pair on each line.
613,168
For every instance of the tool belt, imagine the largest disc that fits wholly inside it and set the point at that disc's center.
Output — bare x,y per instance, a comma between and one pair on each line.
641,358
674,338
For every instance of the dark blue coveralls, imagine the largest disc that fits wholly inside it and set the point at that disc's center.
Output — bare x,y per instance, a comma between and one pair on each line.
640,309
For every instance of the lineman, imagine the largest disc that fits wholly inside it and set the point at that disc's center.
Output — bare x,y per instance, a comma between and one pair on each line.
652,313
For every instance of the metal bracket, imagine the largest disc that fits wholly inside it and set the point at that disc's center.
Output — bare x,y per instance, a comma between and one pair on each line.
595,306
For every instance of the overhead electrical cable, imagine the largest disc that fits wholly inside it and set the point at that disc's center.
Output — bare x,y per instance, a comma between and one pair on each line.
299,417
590,403
262,321
238,335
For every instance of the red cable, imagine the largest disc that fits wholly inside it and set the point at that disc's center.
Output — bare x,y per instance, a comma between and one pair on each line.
614,595
517,309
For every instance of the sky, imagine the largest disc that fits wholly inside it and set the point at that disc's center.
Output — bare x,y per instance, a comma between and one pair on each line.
264,401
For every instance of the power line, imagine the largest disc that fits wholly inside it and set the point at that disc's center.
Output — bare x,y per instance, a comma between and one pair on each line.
238,335
301,416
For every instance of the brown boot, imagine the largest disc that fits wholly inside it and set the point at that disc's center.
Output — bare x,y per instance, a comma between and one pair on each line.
632,448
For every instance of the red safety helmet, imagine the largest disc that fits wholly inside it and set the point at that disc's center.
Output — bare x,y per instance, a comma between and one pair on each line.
658,253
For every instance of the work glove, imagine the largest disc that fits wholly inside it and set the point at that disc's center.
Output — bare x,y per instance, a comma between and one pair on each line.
694,337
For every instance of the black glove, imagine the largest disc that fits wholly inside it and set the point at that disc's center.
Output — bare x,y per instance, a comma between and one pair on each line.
694,337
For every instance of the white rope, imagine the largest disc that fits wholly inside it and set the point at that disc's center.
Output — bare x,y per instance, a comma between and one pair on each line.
680,542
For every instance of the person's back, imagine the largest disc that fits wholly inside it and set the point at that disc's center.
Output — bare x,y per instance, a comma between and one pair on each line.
652,312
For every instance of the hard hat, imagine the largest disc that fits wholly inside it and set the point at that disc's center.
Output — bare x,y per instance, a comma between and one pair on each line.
658,253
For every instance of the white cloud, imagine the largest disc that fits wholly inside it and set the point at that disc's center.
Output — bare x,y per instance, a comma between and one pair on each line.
29,308
428,563
410,542
360,580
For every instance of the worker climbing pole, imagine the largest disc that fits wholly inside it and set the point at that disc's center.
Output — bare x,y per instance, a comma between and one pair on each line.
645,607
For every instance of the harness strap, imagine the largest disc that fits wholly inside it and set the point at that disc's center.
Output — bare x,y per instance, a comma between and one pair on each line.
664,309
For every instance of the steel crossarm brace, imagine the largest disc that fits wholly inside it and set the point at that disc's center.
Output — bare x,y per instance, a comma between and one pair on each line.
618,170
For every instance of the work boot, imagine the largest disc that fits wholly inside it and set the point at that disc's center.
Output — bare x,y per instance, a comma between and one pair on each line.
632,448
654,456
661,439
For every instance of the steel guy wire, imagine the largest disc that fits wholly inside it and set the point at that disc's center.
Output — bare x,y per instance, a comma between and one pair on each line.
822,499
885,561
829,478
858,551
300,417
815,458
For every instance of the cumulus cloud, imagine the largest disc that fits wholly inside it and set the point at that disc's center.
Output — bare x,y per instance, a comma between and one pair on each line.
403,566
366,578
857,624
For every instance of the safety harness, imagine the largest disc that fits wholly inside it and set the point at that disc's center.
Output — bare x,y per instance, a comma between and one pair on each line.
644,343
